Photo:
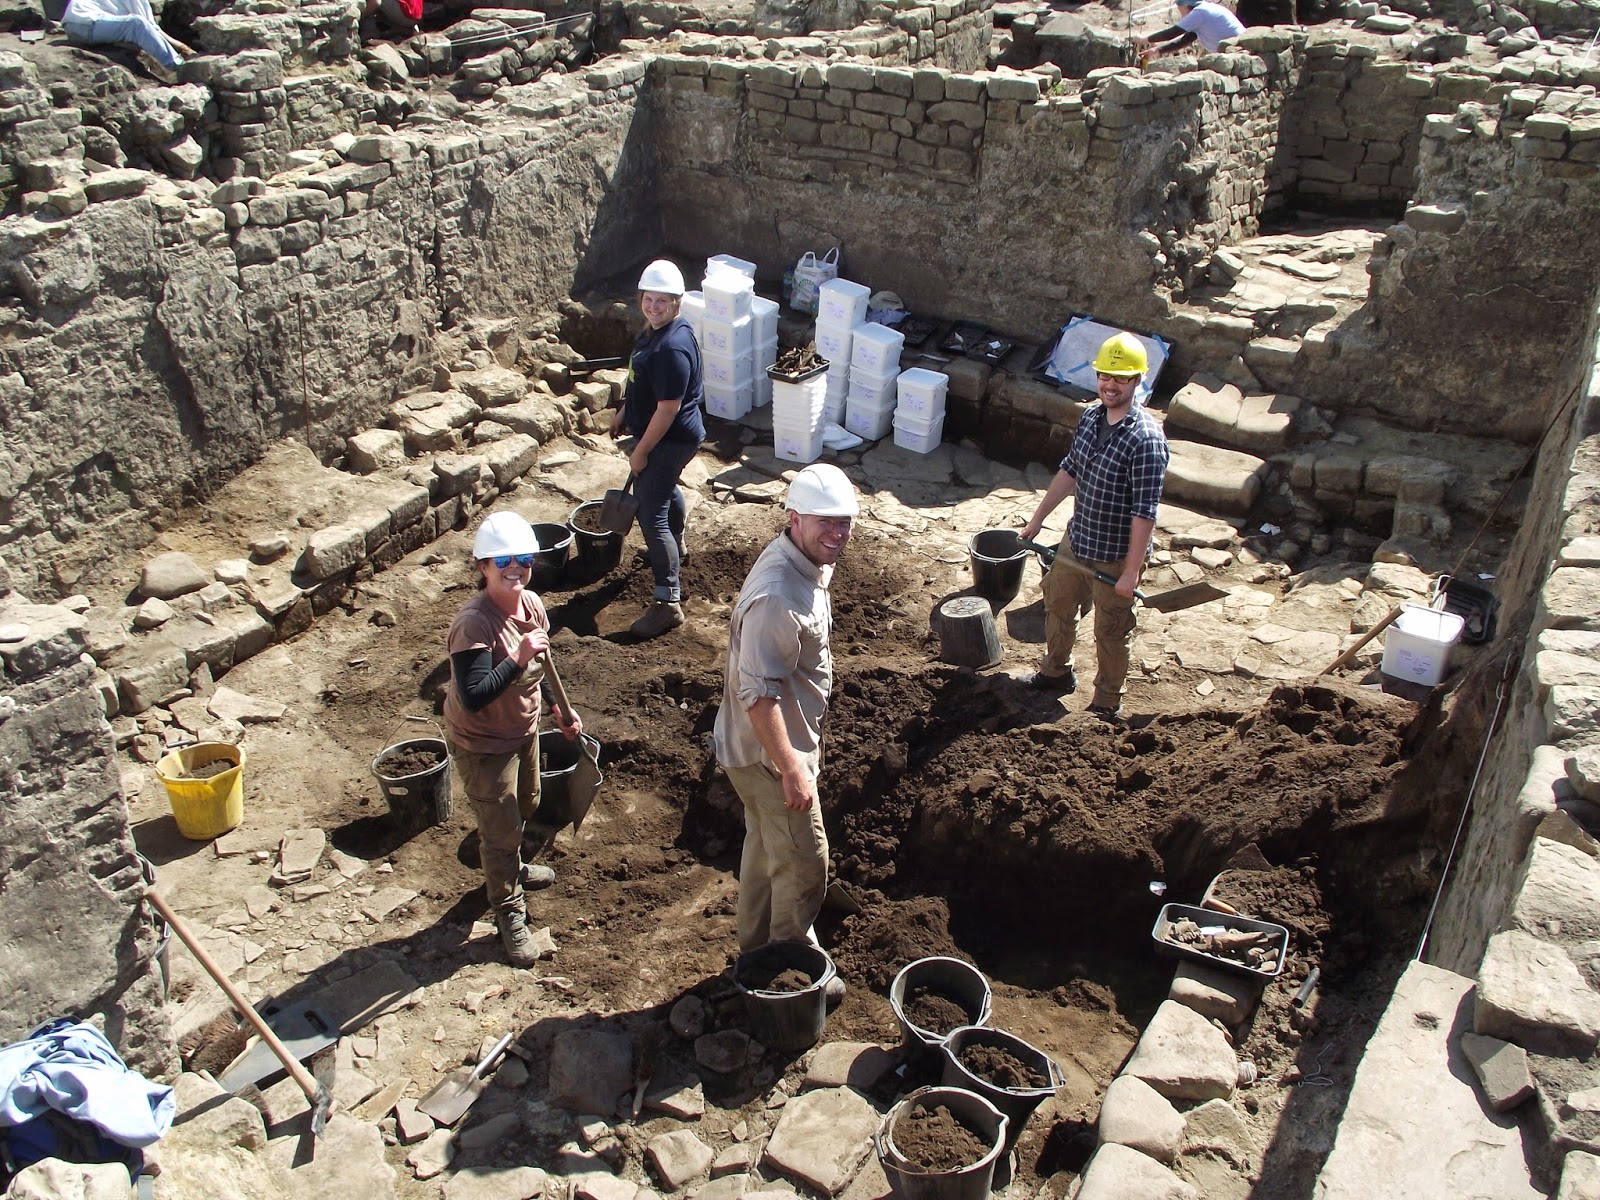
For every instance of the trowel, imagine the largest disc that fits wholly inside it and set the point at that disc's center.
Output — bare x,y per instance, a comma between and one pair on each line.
1186,596
447,1102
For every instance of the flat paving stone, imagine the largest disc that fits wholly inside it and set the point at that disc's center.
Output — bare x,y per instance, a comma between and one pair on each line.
823,1137
1560,892
678,1156
848,1064
1529,992
1213,478
1501,1068
1414,1119
495,1183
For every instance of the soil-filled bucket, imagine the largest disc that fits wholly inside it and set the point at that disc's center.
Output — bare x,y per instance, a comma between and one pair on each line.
417,789
959,982
205,804
1017,1103
785,1020
911,1179
596,550
163,931
998,557
550,562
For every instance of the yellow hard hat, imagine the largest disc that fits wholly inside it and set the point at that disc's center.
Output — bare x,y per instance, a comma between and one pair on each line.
1121,354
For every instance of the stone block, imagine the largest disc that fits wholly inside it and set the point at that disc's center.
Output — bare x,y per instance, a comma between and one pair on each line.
491,387
457,474
148,671
1531,994
333,551
1134,1114
1501,1068
1212,478
1434,218
374,449
590,1069
822,1138
510,457
1184,1057
1213,993
1117,1172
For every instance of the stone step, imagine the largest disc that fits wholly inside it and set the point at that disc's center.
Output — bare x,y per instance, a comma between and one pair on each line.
1213,478
1220,413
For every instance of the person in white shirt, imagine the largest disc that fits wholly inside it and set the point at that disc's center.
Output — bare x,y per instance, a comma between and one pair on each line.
129,21
1203,20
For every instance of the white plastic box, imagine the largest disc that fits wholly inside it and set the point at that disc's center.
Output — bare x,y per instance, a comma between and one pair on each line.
833,344
764,316
877,348
729,403
841,302
727,262
1416,648
833,410
799,404
918,436
727,370
875,391
693,310
727,337
766,355
922,392
727,295
796,445
763,396
865,420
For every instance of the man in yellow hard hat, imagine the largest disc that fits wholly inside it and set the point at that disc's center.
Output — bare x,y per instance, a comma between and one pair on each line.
1115,469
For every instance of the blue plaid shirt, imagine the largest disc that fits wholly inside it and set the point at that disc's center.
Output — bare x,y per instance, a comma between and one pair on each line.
1119,470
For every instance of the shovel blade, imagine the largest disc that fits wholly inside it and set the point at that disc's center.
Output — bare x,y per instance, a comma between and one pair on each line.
447,1102
1187,596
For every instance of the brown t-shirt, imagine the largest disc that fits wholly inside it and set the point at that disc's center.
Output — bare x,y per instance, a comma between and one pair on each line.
512,717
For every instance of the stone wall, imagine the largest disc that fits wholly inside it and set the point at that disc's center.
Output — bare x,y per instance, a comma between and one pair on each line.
79,940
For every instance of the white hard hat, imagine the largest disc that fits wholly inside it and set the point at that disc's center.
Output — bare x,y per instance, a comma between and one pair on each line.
662,276
504,533
822,490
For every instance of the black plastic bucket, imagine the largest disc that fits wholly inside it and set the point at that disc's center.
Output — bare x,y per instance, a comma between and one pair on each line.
550,562
1017,1103
786,1020
420,799
558,758
998,557
959,982
596,551
912,1181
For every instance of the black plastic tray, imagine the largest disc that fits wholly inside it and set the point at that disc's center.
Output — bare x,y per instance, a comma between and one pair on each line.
1171,914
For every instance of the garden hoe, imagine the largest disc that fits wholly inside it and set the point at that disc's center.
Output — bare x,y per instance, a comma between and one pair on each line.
1187,596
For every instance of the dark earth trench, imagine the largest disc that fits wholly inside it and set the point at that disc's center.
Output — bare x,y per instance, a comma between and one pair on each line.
968,816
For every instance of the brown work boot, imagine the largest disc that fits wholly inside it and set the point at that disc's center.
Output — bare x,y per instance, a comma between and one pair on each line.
660,617
518,941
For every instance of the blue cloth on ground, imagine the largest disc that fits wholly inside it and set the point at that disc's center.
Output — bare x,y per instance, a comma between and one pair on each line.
69,1067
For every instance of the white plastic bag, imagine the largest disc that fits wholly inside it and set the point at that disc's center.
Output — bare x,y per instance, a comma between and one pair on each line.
810,273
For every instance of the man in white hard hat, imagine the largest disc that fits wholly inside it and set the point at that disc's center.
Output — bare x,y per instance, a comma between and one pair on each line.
1204,21
775,693
662,408
1115,468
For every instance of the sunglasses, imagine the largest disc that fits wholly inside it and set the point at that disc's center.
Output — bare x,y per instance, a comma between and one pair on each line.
502,561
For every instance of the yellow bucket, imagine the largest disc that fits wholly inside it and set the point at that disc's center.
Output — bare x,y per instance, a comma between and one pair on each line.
204,808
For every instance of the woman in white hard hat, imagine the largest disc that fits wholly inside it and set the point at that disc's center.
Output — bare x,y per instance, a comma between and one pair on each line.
663,408
491,713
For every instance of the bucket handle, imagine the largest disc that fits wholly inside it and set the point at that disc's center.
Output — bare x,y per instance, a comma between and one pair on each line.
388,739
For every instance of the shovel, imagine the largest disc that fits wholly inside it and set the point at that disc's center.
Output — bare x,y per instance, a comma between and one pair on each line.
450,1098
1187,596
618,508
316,1093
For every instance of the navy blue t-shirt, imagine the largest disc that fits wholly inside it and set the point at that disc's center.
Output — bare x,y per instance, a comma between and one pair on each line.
666,366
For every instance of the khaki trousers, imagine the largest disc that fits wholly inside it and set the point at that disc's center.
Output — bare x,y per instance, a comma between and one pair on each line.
504,790
784,869
1067,595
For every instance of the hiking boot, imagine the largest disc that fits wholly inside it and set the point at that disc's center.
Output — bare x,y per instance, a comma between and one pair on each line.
537,876
661,616
518,941
1062,685
1107,712
833,992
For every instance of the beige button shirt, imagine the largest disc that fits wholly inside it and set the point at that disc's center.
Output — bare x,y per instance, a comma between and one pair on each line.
778,648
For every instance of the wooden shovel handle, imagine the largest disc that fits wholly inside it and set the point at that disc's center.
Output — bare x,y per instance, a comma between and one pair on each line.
555,681
1083,569
298,1073
1344,659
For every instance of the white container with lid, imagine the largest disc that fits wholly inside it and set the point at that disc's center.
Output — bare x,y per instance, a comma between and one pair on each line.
1416,648
871,390
727,337
727,370
729,403
876,348
865,420
833,344
727,295
922,392
841,302
919,437
727,262
764,314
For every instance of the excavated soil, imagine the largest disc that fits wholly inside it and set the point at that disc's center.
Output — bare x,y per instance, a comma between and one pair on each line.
968,815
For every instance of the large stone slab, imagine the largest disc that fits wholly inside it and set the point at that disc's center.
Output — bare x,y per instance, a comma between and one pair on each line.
1184,1056
822,1138
590,1069
1414,1119
1213,479
1530,993
1119,1173
1134,1114
1560,893
1220,413
1214,993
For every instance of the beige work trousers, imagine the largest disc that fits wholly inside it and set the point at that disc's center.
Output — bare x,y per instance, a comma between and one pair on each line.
1067,595
784,869
504,790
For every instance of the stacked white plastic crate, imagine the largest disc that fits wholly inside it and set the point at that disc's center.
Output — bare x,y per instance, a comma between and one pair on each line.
874,367
797,417
841,309
919,414
738,335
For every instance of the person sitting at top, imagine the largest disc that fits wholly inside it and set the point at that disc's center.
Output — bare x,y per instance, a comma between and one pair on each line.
131,22
1203,20
399,16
